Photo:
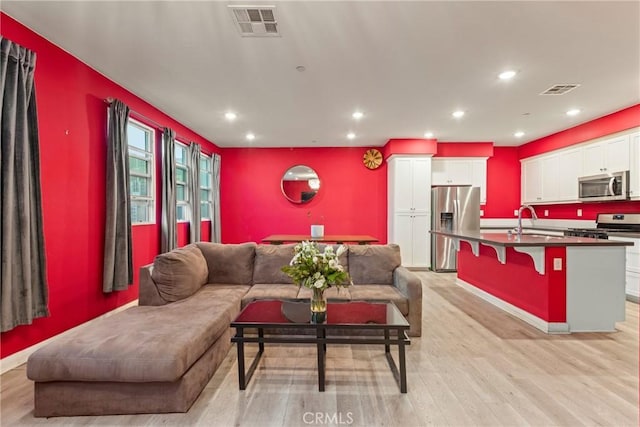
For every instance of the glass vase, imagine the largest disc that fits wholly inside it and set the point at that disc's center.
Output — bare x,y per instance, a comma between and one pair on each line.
318,306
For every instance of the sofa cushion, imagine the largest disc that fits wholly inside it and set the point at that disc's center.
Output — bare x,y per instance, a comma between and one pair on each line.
331,294
140,344
179,273
229,263
380,293
373,264
269,261
270,291
343,259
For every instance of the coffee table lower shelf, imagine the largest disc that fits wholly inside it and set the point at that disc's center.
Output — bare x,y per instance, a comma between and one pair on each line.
321,340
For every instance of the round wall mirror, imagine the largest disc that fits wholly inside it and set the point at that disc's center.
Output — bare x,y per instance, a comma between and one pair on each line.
300,184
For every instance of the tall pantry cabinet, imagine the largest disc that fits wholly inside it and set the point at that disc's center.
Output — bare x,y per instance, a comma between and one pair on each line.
409,203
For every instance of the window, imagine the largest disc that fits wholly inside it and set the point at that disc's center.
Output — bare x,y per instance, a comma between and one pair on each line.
182,182
140,139
206,178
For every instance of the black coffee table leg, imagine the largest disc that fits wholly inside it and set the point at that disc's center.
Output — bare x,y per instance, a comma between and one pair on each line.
240,347
322,349
244,378
400,375
403,365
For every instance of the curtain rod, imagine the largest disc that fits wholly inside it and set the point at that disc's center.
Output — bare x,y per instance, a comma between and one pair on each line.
151,122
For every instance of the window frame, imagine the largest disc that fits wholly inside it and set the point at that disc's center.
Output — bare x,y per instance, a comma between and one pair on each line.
186,166
151,198
209,159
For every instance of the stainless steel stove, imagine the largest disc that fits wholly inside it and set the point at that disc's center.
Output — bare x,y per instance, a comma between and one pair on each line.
608,223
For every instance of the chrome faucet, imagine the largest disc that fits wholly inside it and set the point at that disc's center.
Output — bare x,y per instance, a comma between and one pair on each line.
533,216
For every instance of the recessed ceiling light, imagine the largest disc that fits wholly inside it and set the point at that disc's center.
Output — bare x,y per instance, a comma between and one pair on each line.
458,114
428,134
300,68
351,135
506,75
573,112
519,134
250,136
230,116
357,115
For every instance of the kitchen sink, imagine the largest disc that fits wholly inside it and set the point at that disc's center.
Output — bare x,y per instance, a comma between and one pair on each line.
545,236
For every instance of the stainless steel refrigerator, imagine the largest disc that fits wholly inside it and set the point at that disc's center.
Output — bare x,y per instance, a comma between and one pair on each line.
452,208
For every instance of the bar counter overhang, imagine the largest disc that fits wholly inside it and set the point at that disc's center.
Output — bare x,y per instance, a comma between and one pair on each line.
556,284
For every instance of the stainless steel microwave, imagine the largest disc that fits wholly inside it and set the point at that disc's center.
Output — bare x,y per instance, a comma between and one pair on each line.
604,187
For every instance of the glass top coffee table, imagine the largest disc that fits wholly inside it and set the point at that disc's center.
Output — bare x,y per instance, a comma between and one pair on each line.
286,318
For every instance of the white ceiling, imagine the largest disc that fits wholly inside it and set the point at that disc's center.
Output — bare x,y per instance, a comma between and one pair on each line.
406,65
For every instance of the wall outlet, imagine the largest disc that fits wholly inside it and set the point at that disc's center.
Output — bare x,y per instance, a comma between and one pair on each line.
515,212
481,212
579,213
557,264
546,212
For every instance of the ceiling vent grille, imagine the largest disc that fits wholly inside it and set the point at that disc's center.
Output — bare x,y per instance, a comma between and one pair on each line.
560,89
255,21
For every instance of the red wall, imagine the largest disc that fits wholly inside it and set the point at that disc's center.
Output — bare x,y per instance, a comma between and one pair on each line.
503,183
464,149
72,123
409,146
589,210
611,123
352,199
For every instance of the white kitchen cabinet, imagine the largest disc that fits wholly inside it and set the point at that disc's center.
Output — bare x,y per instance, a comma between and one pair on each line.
552,177
609,155
410,184
409,205
632,269
450,172
570,168
634,169
409,231
550,170
461,171
531,180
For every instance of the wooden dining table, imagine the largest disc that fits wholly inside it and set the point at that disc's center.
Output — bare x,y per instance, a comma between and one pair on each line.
278,239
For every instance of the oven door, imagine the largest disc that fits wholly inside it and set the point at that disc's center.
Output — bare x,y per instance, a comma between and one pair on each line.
603,187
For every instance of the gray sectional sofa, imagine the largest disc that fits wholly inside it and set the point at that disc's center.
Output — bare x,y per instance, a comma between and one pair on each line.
157,357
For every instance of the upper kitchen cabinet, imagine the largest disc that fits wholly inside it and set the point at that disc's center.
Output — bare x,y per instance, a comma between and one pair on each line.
531,180
634,170
461,171
610,155
410,184
552,177
570,168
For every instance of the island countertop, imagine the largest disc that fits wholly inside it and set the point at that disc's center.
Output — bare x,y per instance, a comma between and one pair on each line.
528,239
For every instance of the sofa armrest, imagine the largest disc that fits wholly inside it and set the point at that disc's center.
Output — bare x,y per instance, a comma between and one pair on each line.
410,285
148,291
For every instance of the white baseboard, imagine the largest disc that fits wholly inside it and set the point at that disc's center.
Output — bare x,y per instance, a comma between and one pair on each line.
544,326
17,359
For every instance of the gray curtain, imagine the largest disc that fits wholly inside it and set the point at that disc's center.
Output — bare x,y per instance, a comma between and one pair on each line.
168,239
118,255
194,192
215,216
23,287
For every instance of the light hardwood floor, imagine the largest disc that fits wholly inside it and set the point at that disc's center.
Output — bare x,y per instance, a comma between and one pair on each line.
473,366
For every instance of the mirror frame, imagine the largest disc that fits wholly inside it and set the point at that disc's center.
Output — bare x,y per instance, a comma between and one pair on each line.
313,192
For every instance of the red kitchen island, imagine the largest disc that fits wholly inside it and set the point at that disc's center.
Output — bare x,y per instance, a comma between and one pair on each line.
557,284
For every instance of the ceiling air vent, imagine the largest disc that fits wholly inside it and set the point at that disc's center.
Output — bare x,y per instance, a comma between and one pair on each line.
255,21
560,89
